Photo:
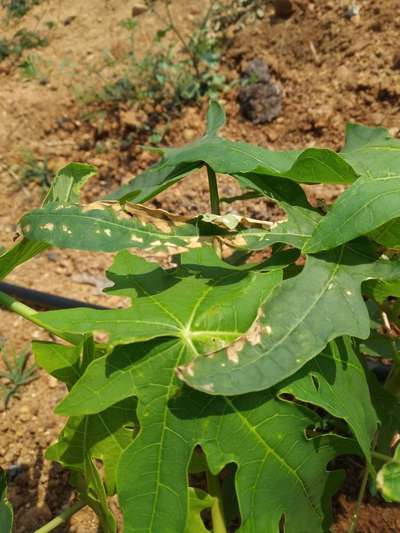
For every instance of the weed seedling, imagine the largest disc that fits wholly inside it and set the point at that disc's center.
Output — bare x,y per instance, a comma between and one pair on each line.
17,373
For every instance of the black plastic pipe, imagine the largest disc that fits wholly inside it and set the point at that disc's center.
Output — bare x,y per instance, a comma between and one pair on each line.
43,299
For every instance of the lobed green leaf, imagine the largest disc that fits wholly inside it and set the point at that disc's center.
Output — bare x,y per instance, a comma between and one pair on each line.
329,380
207,303
264,436
65,188
306,312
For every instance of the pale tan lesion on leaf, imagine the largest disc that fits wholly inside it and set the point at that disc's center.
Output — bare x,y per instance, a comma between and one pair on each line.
253,337
49,226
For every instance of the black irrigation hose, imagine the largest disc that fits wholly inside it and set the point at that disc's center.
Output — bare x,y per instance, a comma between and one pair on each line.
43,299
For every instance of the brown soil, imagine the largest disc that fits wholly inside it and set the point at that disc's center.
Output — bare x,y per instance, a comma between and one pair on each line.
331,70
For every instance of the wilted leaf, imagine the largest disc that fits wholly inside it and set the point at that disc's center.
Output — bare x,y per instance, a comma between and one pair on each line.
371,151
64,188
109,227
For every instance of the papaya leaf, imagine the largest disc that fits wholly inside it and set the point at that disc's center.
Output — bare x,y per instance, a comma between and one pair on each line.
215,118
368,204
6,511
199,500
93,489
269,443
388,234
387,408
226,157
371,151
64,188
329,380
68,182
86,438
208,308
58,360
296,229
108,228
102,436
292,330
388,478
378,345
22,251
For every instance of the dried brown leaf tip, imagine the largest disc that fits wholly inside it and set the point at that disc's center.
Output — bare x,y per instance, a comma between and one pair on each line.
161,219
233,222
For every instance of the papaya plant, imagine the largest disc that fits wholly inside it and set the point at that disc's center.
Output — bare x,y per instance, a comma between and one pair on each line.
222,396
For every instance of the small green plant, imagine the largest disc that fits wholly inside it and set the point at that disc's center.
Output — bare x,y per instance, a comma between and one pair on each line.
29,68
17,373
229,384
22,40
18,8
27,40
4,49
174,70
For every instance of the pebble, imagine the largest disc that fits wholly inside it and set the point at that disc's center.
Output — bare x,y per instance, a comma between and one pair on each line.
189,134
283,8
272,135
396,61
138,9
24,413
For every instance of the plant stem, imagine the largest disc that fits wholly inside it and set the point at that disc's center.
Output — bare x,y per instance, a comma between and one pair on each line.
30,314
361,493
62,518
384,457
217,510
213,187
17,307
186,47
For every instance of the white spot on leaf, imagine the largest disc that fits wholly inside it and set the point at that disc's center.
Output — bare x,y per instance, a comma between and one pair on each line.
134,238
49,226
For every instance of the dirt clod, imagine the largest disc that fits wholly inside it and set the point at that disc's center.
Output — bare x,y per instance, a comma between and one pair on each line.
260,99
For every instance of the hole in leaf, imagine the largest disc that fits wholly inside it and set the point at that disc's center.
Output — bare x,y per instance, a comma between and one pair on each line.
315,382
